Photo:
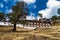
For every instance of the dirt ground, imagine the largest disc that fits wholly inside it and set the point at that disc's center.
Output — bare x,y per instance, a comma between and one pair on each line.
48,33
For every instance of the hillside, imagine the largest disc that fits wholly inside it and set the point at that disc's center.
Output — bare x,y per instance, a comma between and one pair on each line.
52,33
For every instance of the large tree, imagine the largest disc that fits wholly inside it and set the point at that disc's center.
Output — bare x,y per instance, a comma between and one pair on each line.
20,10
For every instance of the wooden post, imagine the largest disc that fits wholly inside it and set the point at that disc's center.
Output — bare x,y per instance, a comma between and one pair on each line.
33,24
26,23
36,23
45,24
39,24
30,23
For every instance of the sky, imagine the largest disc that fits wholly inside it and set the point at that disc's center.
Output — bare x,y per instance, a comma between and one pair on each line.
47,8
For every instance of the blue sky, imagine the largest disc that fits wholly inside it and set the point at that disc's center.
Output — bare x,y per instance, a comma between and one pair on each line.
46,7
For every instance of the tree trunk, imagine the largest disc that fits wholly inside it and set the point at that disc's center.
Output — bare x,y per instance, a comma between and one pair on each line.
14,29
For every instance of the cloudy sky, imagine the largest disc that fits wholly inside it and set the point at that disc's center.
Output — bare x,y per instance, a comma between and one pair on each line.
46,7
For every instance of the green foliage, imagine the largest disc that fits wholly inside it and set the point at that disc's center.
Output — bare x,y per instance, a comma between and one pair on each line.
40,15
59,17
58,11
20,11
54,18
13,17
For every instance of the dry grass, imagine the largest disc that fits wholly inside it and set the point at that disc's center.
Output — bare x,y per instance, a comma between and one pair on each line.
52,33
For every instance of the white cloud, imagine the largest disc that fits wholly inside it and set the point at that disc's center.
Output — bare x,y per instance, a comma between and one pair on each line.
31,17
52,6
27,1
30,1
45,12
9,11
38,17
1,5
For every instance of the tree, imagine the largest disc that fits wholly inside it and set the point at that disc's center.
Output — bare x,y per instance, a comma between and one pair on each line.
23,11
59,17
2,16
19,11
40,15
41,19
54,18
58,11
